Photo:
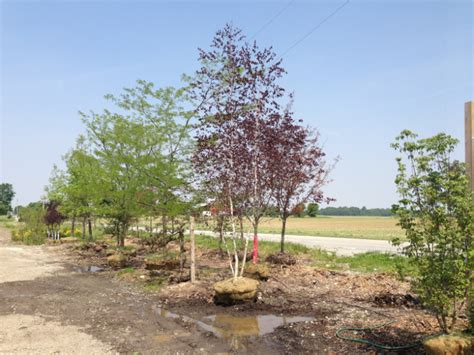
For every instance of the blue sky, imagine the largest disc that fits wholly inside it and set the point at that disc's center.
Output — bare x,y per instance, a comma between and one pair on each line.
373,69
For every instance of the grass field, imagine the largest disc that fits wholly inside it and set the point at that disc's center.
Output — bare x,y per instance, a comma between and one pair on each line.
384,228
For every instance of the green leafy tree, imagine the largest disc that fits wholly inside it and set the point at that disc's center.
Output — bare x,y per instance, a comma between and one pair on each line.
77,188
6,198
120,147
168,122
312,209
436,210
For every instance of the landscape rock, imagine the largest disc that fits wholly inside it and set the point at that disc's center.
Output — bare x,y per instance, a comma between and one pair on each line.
257,271
117,260
449,345
242,289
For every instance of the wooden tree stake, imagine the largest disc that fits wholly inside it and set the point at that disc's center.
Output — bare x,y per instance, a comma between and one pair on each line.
193,249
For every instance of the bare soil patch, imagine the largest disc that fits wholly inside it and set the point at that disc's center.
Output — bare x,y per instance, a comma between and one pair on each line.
137,309
328,300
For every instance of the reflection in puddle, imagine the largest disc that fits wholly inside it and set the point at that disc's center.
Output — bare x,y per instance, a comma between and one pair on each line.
237,330
90,268
228,326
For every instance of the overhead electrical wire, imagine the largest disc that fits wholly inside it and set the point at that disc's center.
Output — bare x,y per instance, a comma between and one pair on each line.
272,19
312,30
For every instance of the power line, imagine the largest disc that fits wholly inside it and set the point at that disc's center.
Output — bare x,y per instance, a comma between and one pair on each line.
272,19
315,28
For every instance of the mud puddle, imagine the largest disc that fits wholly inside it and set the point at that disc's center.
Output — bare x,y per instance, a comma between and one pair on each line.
86,269
238,331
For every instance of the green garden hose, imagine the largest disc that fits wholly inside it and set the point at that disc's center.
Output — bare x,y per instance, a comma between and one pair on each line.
371,343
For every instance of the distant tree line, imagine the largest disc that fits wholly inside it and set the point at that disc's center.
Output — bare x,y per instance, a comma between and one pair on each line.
355,211
313,210
6,198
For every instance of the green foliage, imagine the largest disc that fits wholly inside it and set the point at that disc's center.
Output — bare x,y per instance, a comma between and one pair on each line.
312,209
436,210
28,237
131,163
127,270
356,211
6,198
77,188
33,230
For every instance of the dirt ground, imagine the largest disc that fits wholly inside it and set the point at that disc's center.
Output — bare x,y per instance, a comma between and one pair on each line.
85,313
298,309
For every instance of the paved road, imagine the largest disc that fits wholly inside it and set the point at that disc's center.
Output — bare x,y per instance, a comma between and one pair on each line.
341,246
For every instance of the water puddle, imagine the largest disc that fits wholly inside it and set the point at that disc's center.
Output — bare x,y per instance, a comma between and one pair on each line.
227,326
238,330
89,268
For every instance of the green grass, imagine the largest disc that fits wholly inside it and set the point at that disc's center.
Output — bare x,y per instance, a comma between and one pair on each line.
155,285
127,270
8,223
365,262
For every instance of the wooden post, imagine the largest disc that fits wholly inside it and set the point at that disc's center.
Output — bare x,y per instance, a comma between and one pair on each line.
469,129
193,249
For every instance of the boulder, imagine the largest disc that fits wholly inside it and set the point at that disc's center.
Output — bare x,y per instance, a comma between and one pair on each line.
241,289
257,271
449,345
117,260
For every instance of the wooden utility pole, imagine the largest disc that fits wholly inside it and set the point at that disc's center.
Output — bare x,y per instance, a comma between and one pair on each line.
469,128
193,249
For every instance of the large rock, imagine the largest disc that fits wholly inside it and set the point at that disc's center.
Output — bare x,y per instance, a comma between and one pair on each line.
257,271
449,345
241,289
117,260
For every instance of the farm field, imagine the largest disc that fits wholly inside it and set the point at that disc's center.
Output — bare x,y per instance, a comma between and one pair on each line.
383,228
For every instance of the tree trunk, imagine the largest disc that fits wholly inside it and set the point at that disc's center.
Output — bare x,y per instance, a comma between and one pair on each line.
90,228
164,222
255,243
151,226
193,250
182,255
83,229
241,221
221,233
283,230
73,227
123,234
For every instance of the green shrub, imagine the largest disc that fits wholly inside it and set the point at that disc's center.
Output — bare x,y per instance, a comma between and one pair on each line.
436,210
28,237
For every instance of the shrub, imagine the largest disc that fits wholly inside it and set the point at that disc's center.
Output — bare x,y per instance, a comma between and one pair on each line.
436,210
28,237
